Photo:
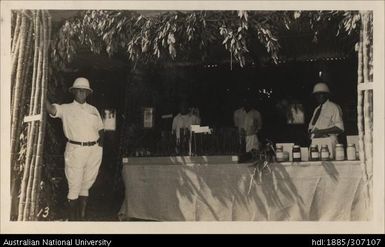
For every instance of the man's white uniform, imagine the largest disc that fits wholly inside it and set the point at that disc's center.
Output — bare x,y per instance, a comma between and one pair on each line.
330,116
239,117
326,116
81,123
252,123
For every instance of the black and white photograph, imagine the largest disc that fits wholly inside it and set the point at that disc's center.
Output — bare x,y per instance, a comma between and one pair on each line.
241,118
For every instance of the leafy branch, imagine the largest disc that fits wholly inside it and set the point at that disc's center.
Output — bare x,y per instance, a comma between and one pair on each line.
181,34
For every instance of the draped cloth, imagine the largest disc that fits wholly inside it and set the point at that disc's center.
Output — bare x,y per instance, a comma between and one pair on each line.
313,191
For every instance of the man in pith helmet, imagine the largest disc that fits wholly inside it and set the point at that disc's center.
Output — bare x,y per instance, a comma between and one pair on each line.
326,121
83,128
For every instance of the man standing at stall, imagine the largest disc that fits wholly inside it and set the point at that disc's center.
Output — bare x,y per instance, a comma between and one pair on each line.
181,125
83,127
326,123
250,124
238,118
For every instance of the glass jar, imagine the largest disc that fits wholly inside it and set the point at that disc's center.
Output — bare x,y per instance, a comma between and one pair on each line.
296,153
314,153
340,152
351,152
325,155
279,153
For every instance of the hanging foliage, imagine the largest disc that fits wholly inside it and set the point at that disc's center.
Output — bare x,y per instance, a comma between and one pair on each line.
165,36
186,35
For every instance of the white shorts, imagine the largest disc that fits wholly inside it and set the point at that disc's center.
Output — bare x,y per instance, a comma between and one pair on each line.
81,168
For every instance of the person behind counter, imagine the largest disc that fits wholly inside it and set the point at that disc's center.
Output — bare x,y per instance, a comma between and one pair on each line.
238,118
326,123
239,115
250,122
182,122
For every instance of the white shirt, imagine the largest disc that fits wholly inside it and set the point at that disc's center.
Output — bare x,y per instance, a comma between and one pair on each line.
239,117
252,122
184,121
81,122
330,116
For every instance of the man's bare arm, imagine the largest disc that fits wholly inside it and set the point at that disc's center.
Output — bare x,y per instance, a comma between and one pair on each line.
51,109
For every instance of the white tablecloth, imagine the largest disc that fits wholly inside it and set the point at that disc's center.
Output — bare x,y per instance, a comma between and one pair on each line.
200,191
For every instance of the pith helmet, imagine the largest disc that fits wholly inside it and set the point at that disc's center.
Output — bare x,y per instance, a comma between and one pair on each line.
81,82
321,88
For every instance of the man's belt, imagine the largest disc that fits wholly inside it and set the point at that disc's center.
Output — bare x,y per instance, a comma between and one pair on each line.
83,143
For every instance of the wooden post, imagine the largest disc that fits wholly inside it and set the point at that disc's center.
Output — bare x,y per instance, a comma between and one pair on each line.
365,106
37,54
18,88
40,139
368,103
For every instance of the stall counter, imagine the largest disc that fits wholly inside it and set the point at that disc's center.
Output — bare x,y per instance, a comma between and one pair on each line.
218,188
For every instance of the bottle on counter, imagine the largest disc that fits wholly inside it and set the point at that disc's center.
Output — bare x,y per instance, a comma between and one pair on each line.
296,153
325,154
314,153
279,153
340,152
351,152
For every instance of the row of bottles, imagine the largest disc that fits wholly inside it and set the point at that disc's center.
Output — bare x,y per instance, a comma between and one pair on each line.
314,154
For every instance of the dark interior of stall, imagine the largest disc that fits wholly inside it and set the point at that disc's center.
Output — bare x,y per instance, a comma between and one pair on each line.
216,91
